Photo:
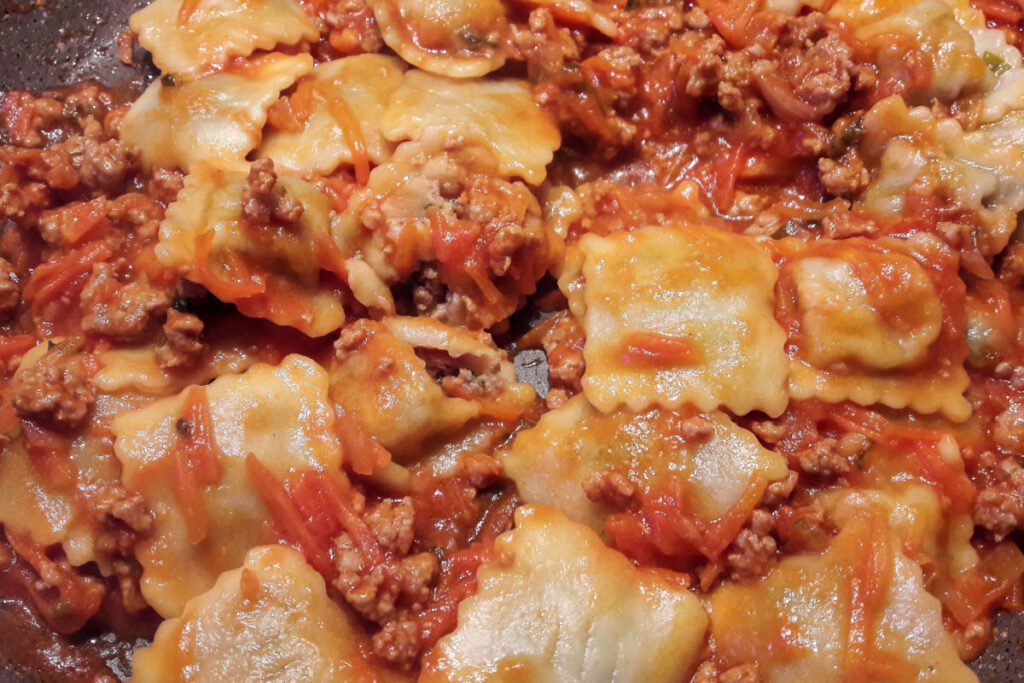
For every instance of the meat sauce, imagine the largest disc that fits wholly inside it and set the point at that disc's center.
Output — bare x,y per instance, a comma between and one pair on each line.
750,117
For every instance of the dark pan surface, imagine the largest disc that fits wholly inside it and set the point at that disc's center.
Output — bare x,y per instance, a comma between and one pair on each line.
46,43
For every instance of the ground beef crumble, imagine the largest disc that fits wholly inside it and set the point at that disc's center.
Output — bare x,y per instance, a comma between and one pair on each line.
122,518
54,394
264,200
381,589
753,552
10,289
184,345
844,177
118,309
999,508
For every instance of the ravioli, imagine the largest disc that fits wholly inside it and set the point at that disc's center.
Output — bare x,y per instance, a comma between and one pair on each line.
674,315
582,12
859,610
384,381
931,28
41,499
215,117
187,37
268,271
406,219
363,84
917,152
281,414
497,113
269,620
459,38
557,605
46,504
403,405
875,322
723,472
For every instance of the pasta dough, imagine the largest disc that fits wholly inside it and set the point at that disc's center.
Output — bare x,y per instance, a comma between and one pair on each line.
186,40
281,414
365,83
725,472
215,117
675,315
559,606
498,114
269,620
268,272
832,620
459,38
870,323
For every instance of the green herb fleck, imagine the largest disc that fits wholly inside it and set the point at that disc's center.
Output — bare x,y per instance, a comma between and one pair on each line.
476,41
995,63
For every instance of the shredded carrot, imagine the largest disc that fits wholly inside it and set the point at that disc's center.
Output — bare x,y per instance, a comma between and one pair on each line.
80,219
201,445
282,116
49,453
353,131
665,530
78,597
329,257
363,453
189,492
460,249
869,588
196,461
458,581
289,522
15,345
187,9
54,279
239,283
345,41
653,349
319,491
302,100
725,171
488,406
499,409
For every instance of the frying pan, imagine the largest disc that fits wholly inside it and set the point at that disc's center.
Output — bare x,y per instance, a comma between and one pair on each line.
45,43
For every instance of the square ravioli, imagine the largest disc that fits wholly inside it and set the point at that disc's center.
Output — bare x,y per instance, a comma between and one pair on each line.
859,611
414,381
875,322
558,605
220,116
677,314
499,114
270,266
271,619
592,465
186,36
203,526
334,117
